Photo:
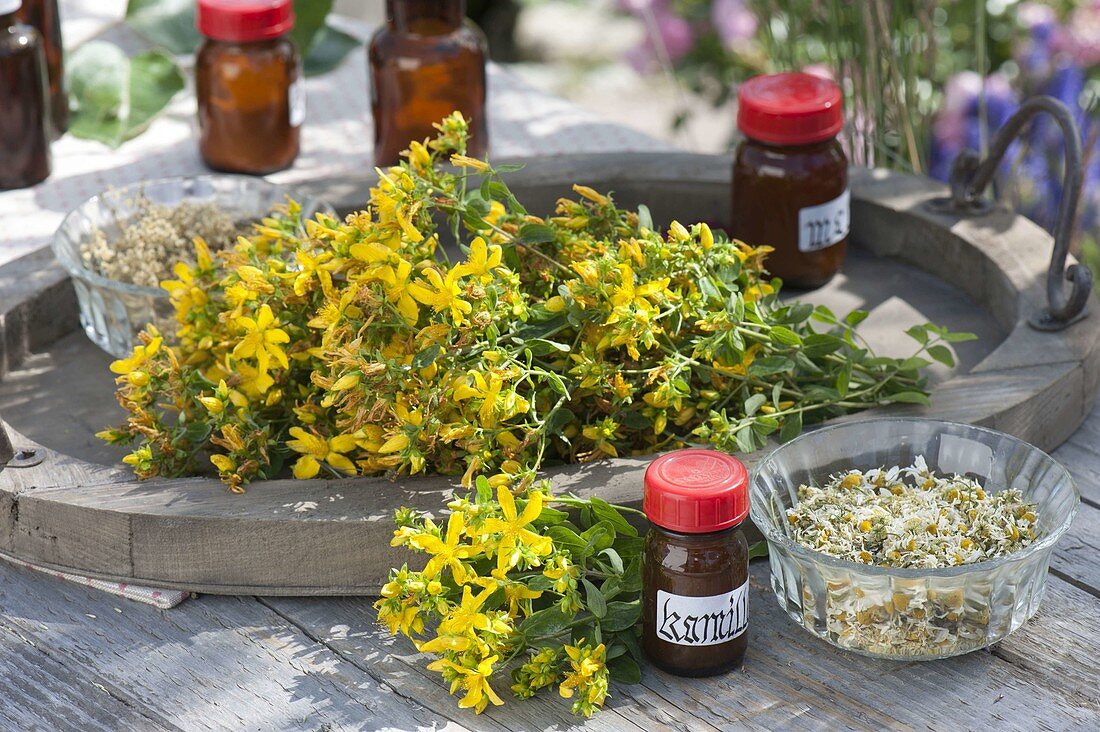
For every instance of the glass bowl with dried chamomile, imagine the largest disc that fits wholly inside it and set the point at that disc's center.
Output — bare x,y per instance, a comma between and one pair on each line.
909,538
120,245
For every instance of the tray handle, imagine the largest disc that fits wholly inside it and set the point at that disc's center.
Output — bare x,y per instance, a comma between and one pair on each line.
971,175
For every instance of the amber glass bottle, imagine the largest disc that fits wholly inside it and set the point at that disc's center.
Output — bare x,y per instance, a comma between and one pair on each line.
790,176
248,80
24,103
695,571
43,15
426,62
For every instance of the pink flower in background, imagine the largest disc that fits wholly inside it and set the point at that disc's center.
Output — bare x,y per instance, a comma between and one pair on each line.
734,22
1083,31
666,33
821,71
951,124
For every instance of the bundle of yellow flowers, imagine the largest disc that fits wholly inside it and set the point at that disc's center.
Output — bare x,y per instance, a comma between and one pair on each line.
357,346
513,582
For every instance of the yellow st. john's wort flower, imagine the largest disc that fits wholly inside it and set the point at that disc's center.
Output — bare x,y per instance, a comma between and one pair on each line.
398,289
316,450
261,340
442,294
467,617
495,406
448,551
588,676
514,534
140,356
474,680
482,260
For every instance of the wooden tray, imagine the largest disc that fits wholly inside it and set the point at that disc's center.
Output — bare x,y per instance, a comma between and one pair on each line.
73,507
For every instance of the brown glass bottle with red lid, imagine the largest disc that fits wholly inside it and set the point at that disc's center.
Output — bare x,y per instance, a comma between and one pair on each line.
790,176
696,563
426,62
248,80
24,102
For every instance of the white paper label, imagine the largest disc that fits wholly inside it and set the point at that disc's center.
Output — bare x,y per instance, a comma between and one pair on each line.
822,226
702,621
297,98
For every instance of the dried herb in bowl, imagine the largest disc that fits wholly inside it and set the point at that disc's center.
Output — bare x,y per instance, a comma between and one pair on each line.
910,517
149,243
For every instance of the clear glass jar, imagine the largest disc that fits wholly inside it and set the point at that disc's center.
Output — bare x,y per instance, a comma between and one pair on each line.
425,63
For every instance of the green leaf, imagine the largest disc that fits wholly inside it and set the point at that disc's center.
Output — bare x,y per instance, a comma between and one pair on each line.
606,512
546,622
597,605
645,218
536,234
746,441
909,397
539,582
753,403
821,344
770,365
330,48
309,19
785,336
919,333
856,317
484,490
625,670
567,539
166,23
942,354
427,356
958,337
614,558
792,427
758,550
621,615
550,515
114,98
558,419
598,537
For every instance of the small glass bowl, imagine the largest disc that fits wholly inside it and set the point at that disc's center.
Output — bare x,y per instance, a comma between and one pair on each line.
910,614
112,312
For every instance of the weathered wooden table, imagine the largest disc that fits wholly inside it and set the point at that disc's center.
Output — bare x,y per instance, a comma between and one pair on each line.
72,658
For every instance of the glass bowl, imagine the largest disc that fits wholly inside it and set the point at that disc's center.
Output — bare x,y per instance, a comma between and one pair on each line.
113,312
910,614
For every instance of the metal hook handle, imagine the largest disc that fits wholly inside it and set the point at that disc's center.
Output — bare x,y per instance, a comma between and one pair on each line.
970,176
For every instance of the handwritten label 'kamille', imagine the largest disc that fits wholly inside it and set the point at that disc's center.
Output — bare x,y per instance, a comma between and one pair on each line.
702,621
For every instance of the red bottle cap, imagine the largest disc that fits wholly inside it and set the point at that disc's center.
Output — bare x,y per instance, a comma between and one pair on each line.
242,21
790,109
696,491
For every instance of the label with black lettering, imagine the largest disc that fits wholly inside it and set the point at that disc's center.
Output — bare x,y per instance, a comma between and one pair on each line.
702,621
819,227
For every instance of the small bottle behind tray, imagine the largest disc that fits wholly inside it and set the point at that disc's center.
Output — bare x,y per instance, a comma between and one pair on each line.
24,102
43,15
426,62
248,79
790,176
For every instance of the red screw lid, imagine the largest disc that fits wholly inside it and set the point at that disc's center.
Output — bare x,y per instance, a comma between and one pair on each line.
790,109
696,491
244,20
